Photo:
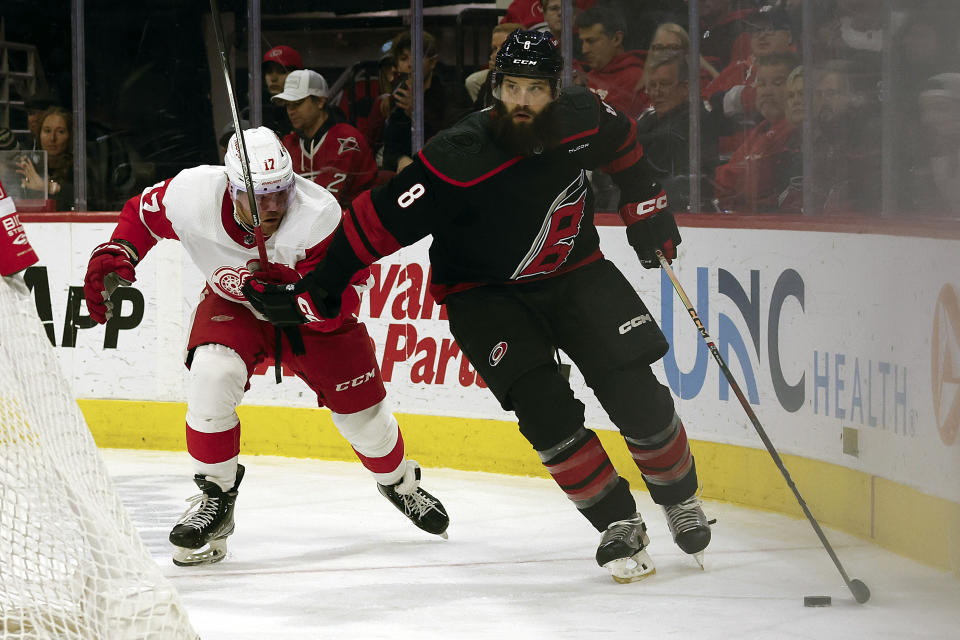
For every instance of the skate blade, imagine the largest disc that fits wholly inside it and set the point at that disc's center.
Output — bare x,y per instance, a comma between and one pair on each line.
444,535
215,551
633,569
698,556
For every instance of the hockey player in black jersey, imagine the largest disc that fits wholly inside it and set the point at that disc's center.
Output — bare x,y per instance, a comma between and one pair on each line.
516,259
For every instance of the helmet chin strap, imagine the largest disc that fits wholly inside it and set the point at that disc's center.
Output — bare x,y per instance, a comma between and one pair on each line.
236,216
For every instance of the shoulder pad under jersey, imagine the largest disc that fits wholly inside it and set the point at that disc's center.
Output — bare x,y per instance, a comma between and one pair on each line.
465,154
577,110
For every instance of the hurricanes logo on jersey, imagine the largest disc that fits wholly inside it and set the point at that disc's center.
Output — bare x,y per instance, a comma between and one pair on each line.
497,353
559,231
229,280
348,144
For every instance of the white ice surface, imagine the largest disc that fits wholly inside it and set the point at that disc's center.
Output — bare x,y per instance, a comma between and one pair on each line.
318,553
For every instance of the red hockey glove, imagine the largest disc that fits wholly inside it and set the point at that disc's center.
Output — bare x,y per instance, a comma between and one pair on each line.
650,226
111,265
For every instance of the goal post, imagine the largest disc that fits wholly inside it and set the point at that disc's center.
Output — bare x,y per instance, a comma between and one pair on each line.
72,566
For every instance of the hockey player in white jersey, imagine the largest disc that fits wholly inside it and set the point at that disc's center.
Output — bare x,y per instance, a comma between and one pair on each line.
207,209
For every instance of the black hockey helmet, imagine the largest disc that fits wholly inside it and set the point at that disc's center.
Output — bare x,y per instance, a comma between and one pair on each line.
528,54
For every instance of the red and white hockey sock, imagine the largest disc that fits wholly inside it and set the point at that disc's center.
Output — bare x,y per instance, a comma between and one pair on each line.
376,439
215,453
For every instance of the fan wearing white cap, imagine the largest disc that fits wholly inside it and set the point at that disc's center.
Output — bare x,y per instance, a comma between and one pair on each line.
207,209
323,147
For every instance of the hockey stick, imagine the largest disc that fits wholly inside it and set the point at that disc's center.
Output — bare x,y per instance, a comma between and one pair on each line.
859,590
242,145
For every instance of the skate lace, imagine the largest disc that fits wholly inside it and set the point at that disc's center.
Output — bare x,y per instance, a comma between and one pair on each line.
417,503
621,529
204,514
686,515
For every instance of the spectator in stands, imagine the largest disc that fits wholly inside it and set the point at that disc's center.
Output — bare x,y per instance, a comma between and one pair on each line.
664,128
670,36
747,182
611,72
788,172
277,63
643,18
552,18
723,29
323,147
530,13
732,94
846,141
372,125
443,103
56,138
477,83
35,108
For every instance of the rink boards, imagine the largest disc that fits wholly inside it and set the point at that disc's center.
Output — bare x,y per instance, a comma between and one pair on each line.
846,344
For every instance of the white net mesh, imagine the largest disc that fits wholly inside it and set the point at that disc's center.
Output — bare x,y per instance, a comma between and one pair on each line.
71,564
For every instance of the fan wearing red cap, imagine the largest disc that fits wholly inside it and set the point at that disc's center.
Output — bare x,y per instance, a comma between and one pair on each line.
277,63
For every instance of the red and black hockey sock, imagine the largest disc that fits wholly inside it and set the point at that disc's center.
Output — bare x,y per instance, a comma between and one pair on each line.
581,467
666,463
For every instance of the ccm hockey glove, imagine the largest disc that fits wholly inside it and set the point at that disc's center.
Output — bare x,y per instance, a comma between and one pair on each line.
650,226
111,265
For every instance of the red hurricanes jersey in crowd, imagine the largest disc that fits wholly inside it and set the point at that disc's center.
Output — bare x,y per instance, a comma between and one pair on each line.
338,158
16,254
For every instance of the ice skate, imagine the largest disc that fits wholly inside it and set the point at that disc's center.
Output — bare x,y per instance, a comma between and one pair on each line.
689,527
200,536
423,509
623,552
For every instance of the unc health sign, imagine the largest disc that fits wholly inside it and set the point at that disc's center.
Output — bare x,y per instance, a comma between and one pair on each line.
822,330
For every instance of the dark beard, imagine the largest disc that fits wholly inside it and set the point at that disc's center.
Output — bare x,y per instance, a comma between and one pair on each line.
539,135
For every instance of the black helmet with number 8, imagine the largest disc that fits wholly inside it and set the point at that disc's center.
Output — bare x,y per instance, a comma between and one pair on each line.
528,54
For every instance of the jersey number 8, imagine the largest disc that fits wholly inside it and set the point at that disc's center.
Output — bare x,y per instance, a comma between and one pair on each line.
408,197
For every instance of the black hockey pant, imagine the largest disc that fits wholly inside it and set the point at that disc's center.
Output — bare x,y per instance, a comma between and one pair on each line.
511,333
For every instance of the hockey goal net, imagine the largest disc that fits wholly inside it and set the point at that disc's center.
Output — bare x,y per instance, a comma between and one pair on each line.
72,566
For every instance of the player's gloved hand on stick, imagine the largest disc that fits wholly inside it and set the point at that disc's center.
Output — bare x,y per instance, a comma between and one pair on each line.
650,226
292,303
111,265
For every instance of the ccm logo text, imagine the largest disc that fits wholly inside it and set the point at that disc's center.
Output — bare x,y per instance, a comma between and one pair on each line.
356,382
635,322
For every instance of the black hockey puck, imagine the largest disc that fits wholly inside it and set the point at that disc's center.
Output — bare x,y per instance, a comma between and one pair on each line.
817,601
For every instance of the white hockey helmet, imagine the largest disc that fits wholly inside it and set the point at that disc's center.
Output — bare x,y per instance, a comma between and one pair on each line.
271,168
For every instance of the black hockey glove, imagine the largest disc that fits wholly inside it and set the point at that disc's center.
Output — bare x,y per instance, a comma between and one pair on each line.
292,304
650,226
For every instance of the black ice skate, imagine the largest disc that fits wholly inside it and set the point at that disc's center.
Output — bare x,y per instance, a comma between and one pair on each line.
423,509
622,550
206,523
689,527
